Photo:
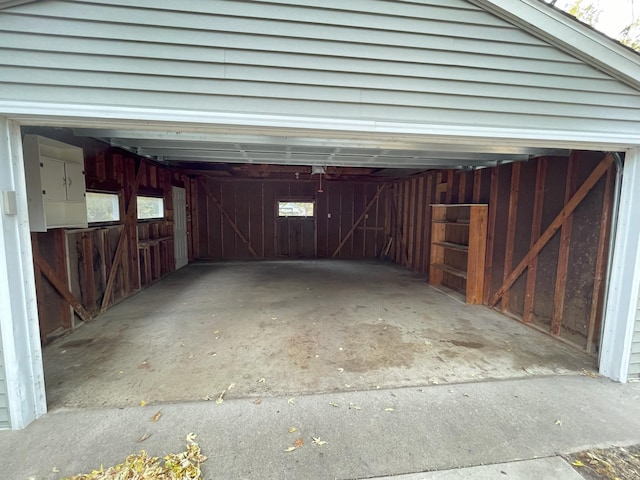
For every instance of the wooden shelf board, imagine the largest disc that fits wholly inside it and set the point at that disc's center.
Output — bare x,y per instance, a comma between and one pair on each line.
453,246
451,270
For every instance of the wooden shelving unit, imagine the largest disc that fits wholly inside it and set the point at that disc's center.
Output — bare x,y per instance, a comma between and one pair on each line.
458,244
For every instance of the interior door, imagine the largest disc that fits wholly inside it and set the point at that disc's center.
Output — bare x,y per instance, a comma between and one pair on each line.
296,229
180,227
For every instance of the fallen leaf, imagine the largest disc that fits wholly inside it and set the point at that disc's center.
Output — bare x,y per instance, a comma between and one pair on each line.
257,401
558,422
207,398
156,417
143,437
341,370
216,332
293,430
393,394
120,372
262,380
317,441
192,356
354,407
291,401
191,437
55,470
334,404
289,449
347,385
577,463
299,443
142,403
465,394
388,409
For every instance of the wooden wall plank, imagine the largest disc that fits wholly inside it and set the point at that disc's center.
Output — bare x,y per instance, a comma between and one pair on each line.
563,256
477,185
420,212
511,229
411,233
427,224
601,264
491,228
536,226
571,205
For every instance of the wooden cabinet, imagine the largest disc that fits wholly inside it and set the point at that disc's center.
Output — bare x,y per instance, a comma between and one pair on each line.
55,184
458,244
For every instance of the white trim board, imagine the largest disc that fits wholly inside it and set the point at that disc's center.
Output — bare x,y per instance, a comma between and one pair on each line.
100,116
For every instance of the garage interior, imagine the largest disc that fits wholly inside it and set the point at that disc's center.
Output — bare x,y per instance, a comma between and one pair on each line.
362,294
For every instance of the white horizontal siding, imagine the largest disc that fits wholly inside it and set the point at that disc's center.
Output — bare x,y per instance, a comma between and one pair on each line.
634,363
4,404
409,61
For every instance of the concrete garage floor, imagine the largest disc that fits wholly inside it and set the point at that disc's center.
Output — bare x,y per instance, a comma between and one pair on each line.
286,328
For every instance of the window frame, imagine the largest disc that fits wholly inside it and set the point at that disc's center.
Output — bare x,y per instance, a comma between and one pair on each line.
295,200
99,223
151,219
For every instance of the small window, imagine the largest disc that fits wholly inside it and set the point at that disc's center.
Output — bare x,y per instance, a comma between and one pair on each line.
103,207
295,209
150,207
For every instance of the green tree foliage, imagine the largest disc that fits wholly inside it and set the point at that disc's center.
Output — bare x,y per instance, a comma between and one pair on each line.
590,11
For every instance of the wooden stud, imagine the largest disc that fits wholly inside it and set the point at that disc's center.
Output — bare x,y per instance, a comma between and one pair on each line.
568,209
59,284
491,231
511,229
420,246
601,261
360,218
229,220
563,253
462,188
477,185
405,218
449,194
130,219
427,226
476,254
411,226
89,283
536,227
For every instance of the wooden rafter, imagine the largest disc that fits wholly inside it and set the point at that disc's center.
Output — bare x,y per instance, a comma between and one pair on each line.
568,209
228,218
129,220
359,220
53,278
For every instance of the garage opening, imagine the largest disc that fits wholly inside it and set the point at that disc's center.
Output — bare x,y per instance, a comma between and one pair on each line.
306,277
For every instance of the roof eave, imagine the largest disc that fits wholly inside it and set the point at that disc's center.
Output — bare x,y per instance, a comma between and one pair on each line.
570,35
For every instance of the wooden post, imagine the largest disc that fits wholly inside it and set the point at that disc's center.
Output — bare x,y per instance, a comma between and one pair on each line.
357,222
563,253
129,220
427,226
568,209
491,231
477,184
511,229
601,261
420,245
536,226
411,227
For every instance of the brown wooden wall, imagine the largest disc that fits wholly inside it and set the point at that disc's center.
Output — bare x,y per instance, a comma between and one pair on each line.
83,258
564,287
250,207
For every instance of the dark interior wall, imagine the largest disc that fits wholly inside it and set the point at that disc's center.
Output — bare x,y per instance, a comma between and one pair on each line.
576,302
251,213
83,258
